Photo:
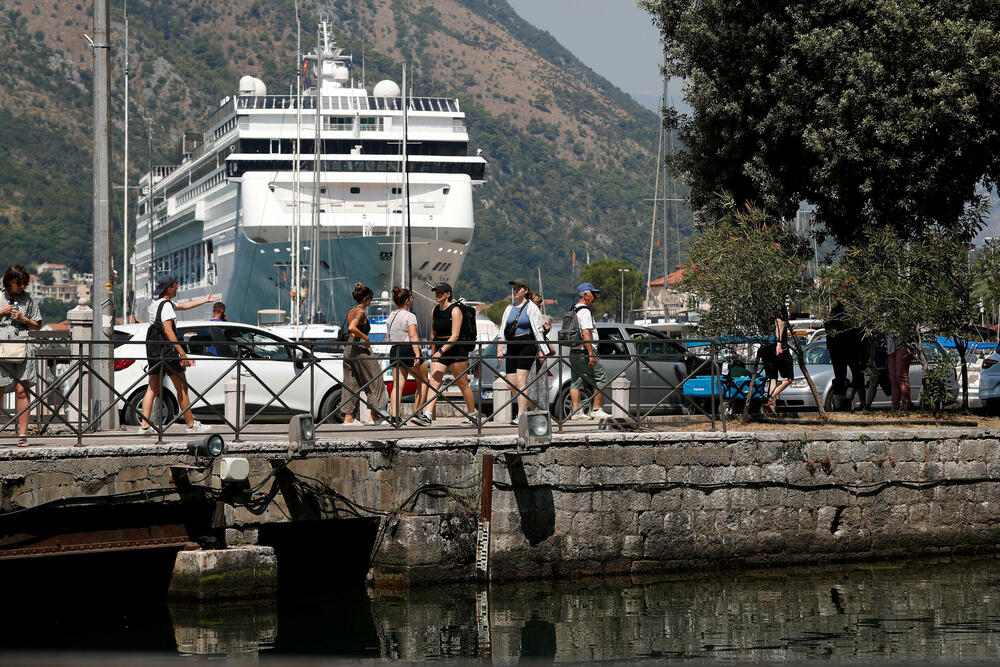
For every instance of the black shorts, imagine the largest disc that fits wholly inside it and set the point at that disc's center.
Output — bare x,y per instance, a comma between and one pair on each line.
169,364
402,355
775,364
521,353
456,354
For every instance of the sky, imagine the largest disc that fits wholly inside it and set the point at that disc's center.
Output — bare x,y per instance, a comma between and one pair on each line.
614,38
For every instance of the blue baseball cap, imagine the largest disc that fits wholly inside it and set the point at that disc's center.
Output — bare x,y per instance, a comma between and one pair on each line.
587,287
163,282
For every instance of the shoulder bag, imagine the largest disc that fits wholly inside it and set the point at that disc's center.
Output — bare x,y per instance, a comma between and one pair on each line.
13,351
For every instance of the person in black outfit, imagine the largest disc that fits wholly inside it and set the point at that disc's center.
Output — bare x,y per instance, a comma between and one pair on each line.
777,358
843,341
447,353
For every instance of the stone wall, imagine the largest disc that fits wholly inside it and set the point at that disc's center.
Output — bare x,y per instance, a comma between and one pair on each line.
589,504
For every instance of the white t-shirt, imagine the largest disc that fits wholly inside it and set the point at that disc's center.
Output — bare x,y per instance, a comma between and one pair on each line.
399,325
168,311
586,320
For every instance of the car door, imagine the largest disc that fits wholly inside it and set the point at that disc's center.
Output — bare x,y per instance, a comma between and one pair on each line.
211,369
269,367
661,369
616,357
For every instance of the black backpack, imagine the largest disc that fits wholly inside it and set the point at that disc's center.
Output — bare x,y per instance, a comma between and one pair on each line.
469,331
571,333
158,346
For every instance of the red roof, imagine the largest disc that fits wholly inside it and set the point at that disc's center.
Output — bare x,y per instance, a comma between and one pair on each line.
672,279
60,326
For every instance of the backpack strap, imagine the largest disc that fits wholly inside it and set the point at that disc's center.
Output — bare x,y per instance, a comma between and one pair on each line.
159,312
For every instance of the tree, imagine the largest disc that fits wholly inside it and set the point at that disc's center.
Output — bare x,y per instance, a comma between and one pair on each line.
877,112
986,270
612,277
47,278
53,310
495,311
743,266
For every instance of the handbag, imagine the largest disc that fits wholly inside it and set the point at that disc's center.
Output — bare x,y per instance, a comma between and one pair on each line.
13,351
510,327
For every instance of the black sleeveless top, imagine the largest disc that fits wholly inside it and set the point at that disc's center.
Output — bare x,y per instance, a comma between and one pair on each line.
441,326
365,326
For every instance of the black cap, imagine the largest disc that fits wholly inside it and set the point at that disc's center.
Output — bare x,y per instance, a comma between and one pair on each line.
163,282
523,282
442,287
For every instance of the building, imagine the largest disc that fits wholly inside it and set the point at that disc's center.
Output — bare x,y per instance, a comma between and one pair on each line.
66,287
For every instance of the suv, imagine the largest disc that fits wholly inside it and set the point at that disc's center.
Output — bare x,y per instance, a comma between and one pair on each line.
269,364
665,362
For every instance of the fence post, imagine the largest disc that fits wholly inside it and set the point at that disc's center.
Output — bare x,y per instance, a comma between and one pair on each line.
81,322
235,410
501,400
620,387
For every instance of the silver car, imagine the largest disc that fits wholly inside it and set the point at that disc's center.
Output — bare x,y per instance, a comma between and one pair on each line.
665,363
798,396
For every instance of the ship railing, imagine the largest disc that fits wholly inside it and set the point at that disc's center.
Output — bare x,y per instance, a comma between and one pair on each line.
239,397
348,103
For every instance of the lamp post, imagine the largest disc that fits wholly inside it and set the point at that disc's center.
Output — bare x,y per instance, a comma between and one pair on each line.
622,272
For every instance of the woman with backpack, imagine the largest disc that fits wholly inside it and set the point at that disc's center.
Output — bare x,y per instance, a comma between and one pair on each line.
447,353
523,331
19,314
166,356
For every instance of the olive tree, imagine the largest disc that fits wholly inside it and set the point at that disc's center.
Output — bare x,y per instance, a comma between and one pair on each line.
741,268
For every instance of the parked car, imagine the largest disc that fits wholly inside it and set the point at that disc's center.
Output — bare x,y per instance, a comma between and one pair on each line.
989,383
799,397
665,364
269,362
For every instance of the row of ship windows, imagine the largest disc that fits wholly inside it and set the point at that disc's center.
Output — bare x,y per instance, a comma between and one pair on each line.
343,103
475,170
225,128
346,147
347,124
203,187
190,266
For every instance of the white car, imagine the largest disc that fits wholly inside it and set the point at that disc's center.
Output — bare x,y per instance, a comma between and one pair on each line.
269,365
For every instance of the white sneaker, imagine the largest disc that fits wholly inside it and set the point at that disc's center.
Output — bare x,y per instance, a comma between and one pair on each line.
144,430
471,420
579,417
197,427
599,414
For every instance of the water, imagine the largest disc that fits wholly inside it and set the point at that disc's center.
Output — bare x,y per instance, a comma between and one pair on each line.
939,611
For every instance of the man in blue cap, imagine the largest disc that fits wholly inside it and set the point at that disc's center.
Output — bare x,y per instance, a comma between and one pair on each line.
586,368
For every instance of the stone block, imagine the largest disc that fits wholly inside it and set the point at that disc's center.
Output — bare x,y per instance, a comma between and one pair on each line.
669,501
650,474
237,572
971,451
717,500
632,546
567,474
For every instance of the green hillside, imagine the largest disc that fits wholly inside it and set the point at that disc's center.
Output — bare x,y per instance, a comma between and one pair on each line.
571,158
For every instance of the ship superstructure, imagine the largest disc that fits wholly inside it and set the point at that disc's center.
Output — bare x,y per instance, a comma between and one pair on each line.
232,216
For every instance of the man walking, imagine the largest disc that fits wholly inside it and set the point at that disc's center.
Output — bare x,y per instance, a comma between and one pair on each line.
585,367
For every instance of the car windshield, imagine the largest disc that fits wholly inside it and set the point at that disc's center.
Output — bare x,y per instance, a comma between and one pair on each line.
816,353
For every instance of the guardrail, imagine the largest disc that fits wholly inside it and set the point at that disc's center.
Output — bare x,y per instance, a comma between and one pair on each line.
60,407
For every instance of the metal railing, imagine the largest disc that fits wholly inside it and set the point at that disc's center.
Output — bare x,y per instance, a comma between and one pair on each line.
240,384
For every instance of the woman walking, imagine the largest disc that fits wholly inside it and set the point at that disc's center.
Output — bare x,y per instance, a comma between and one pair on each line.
522,327
405,357
19,314
447,353
362,370
166,356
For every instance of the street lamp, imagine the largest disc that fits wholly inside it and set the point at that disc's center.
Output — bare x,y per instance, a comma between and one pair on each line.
622,272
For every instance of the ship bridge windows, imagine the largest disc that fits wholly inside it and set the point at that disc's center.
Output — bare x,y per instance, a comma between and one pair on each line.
371,124
368,147
475,170
338,123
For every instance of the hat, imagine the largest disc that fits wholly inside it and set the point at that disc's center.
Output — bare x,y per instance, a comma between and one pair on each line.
587,287
523,282
163,282
441,287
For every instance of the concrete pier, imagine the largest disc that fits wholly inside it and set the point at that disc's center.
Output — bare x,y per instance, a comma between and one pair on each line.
591,503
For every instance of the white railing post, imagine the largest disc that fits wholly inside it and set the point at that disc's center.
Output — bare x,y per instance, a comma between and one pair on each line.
502,408
81,321
620,388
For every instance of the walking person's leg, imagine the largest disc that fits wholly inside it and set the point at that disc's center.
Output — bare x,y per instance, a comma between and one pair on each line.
420,399
183,402
21,404
903,368
374,386
458,370
894,380
152,391
398,378
349,402
436,380
600,380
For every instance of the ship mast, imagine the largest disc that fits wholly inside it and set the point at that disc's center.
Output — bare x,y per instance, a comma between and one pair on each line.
296,315
322,47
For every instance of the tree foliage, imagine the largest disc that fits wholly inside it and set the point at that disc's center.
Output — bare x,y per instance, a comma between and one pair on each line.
606,276
877,112
495,311
742,268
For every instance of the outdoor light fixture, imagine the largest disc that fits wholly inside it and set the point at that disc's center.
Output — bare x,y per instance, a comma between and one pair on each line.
534,429
301,433
234,469
211,445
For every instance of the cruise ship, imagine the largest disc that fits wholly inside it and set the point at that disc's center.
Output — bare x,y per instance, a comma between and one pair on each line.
234,217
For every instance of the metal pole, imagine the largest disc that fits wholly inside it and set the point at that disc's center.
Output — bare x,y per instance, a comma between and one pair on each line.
125,188
297,177
104,309
408,247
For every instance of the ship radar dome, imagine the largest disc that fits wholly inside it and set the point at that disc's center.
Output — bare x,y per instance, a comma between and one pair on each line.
341,74
251,85
386,88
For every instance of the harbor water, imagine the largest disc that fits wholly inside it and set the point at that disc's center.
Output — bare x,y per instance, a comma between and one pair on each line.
943,610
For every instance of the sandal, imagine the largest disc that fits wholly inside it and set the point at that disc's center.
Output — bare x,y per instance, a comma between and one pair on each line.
22,441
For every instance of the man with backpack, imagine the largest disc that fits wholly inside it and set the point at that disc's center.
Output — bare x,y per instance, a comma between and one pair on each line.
586,368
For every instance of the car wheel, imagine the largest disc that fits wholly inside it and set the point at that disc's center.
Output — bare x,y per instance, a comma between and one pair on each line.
131,417
329,409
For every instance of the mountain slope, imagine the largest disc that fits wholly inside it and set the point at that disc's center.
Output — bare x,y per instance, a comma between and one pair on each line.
570,156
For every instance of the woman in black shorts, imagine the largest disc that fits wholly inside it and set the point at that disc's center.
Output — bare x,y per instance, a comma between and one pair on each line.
447,353
522,329
405,356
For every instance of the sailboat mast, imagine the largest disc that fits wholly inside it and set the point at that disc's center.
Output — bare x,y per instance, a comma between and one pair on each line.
321,47
656,201
408,244
297,178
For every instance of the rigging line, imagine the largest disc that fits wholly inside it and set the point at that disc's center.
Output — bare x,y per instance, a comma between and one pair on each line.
656,199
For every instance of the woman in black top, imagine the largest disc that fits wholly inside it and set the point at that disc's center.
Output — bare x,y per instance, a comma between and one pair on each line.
447,353
362,371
